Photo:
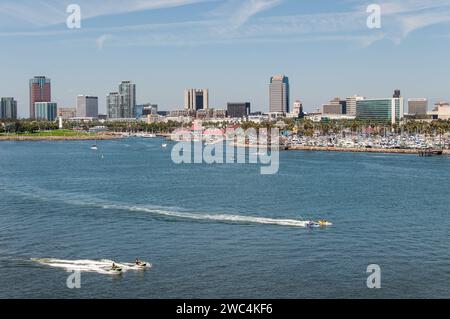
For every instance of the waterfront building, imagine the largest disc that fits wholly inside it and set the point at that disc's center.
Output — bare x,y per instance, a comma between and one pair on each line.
238,110
144,110
113,105
196,99
8,108
183,113
45,111
381,111
40,91
351,104
205,114
441,111
220,114
279,94
298,109
418,107
87,106
67,112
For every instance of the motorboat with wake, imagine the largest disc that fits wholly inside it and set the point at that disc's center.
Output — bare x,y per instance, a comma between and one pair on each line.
318,224
324,223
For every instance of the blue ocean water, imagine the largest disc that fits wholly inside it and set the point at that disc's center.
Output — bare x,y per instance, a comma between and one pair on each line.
214,231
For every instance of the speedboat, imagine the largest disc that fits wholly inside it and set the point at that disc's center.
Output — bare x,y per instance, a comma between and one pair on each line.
164,145
94,147
312,224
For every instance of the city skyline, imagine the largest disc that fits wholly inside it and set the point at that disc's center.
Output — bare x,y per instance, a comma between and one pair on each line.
231,47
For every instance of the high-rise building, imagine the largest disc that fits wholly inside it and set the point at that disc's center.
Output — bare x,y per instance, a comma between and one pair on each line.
238,110
196,99
351,104
113,105
87,106
380,111
122,104
45,111
8,108
279,94
127,90
40,91
418,107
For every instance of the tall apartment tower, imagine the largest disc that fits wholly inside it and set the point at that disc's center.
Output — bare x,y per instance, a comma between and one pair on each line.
113,103
40,91
127,90
196,99
279,94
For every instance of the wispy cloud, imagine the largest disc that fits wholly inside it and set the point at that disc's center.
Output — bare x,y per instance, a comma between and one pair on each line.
100,41
251,21
238,12
50,12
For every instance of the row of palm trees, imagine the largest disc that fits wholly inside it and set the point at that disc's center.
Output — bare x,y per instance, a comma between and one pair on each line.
27,126
301,126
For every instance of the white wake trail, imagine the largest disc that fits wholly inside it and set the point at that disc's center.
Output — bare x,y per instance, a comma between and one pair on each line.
102,266
213,217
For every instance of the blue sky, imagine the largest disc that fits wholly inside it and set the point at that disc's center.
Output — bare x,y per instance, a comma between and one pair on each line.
231,47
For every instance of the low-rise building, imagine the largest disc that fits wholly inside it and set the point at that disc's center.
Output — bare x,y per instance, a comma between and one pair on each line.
441,111
67,112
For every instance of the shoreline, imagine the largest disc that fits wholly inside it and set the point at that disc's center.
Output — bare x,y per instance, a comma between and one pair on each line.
358,150
29,138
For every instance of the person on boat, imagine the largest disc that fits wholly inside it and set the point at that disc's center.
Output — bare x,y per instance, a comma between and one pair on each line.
114,266
138,262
